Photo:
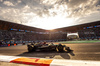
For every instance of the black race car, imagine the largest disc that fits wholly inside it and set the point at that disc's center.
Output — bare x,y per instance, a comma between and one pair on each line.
48,47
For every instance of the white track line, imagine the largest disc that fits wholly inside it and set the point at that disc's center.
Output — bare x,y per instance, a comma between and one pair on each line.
57,62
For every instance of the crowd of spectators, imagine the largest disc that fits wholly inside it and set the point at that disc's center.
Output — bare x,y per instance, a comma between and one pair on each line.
89,34
23,37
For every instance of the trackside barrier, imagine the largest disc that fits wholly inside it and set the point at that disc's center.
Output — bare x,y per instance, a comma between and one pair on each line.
47,62
5,45
19,44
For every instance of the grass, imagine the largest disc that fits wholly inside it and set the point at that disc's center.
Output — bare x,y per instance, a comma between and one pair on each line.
82,41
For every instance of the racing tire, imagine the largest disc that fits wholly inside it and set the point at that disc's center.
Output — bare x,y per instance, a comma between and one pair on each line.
30,48
68,49
60,48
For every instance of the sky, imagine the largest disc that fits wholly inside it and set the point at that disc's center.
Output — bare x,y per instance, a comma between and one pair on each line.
50,14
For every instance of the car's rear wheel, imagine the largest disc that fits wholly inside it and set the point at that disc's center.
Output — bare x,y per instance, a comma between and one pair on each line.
60,48
30,48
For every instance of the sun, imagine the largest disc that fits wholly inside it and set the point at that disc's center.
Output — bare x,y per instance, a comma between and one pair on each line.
50,23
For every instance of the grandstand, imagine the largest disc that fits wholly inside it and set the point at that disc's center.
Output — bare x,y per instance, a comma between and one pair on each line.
85,31
13,32
17,33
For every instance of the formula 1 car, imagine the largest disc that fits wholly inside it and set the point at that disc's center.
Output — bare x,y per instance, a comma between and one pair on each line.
48,47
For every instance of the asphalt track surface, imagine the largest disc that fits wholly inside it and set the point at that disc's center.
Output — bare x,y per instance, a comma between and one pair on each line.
86,51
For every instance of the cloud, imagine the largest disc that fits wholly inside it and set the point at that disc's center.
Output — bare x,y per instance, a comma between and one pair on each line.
1,0
8,3
82,7
89,18
28,11
16,15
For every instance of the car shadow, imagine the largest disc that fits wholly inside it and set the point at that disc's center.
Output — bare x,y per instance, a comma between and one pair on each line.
71,53
48,54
